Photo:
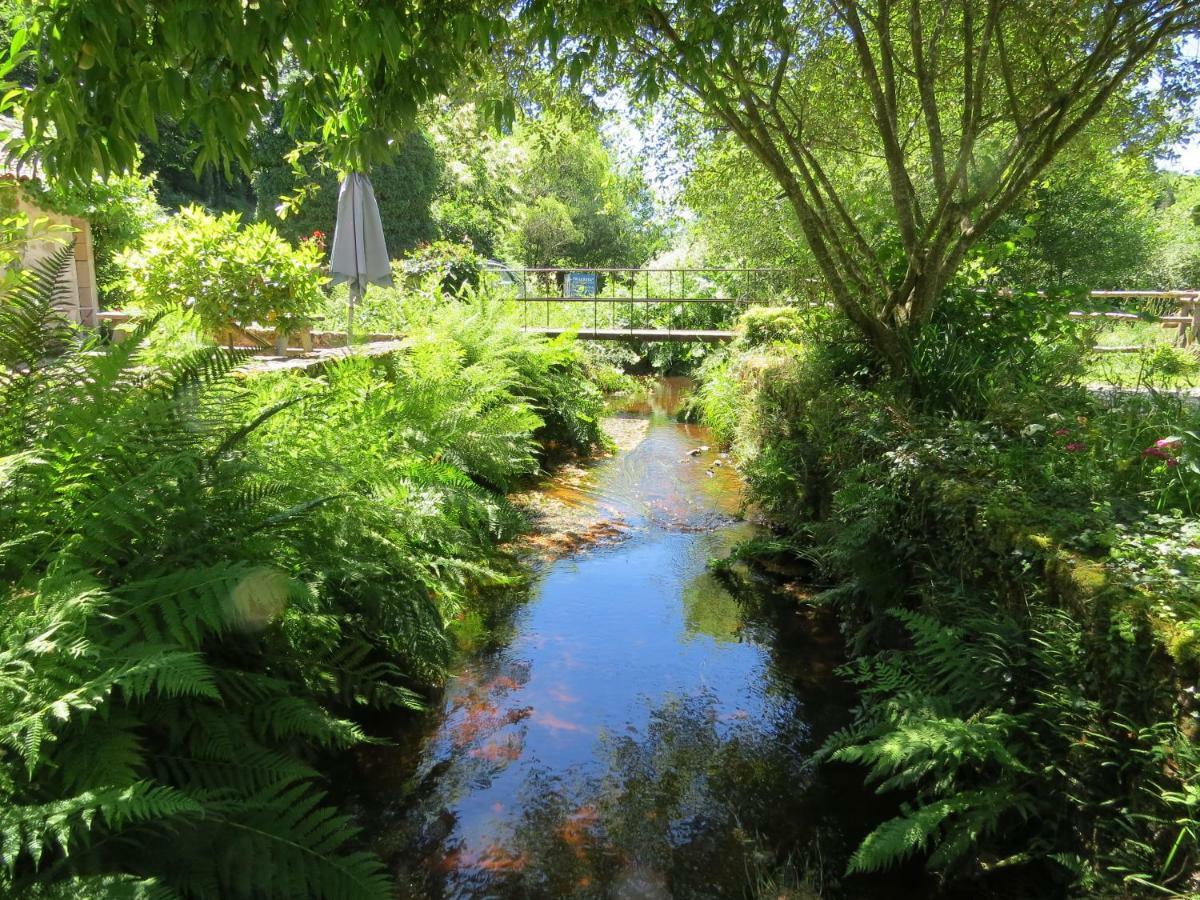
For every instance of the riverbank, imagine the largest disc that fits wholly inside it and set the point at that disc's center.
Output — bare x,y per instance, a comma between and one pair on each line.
1014,566
214,584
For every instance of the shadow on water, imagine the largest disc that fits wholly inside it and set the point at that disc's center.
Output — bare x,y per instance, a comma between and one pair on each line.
644,733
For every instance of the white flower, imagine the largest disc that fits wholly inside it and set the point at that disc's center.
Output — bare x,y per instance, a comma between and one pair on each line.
1031,430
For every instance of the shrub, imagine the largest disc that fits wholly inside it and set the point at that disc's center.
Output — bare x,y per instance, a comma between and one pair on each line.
228,273
763,325
982,345
1012,560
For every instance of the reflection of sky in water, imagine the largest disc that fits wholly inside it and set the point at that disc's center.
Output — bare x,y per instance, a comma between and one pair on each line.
604,645
601,742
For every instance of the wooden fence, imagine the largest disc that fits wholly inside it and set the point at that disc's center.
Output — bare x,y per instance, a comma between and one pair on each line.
1185,320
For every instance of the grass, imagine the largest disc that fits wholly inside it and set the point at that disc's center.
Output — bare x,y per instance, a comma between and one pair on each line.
1158,362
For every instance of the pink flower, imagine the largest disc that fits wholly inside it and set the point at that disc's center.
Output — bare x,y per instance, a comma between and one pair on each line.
1061,432
1172,443
1074,447
1159,451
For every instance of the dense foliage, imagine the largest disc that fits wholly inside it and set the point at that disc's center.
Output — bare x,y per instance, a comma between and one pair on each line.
170,158
1179,216
404,189
1100,218
105,74
453,266
944,115
1013,561
207,580
580,205
478,192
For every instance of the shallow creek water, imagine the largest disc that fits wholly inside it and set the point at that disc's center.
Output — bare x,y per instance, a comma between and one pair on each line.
641,733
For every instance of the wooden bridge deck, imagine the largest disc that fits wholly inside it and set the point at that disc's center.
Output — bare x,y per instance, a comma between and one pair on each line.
636,334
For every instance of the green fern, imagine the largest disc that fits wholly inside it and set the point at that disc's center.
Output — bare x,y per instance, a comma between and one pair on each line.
954,825
205,579
932,723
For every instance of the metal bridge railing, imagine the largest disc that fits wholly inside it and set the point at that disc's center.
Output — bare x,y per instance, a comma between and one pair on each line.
625,303
629,300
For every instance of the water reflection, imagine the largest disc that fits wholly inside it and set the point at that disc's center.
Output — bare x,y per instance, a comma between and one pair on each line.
710,610
636,736
663,818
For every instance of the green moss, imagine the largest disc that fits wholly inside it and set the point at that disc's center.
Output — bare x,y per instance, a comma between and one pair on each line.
1075,579
1040,541
1182,640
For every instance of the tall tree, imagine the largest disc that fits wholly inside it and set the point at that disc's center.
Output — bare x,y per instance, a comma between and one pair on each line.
583,205
951,107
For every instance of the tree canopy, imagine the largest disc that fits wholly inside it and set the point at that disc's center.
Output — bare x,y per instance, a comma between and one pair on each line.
950,111
351,71
582,206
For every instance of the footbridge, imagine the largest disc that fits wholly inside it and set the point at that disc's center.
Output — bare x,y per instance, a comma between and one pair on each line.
702,304
659,304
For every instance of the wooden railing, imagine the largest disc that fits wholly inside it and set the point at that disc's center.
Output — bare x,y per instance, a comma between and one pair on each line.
1186,320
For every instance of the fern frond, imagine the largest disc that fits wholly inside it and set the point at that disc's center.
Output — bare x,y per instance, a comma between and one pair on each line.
922,747
291,717
911,832
67,824
291,844
106,887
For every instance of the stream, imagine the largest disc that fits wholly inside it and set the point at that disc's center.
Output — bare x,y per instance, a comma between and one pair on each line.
639,732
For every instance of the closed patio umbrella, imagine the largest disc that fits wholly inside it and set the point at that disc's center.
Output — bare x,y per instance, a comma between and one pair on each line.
359,255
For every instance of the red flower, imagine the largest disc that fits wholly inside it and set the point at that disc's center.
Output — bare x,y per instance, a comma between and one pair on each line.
1061,432
1074,447
1160,451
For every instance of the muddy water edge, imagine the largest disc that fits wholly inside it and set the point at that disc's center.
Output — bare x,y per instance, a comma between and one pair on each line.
640,728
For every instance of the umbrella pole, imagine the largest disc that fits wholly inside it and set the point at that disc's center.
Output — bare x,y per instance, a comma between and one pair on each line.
354,294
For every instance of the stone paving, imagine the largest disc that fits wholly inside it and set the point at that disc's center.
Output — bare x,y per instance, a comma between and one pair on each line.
318,357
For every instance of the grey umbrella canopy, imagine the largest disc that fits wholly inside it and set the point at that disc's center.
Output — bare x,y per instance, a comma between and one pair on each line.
359,255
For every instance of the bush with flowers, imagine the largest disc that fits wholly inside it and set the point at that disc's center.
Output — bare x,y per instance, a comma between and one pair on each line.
1015,561
228,273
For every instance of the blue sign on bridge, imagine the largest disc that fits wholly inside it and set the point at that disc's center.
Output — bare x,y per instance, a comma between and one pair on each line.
581,284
